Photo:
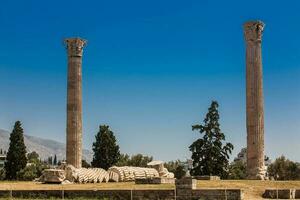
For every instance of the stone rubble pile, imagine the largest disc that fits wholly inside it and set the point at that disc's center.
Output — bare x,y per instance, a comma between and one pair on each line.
123,174
69,174
86,175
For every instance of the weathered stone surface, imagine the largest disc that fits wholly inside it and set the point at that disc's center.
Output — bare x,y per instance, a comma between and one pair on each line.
297,194
254,101
162,171
37,194
155,180
184,188
280,194
186,183
218,194
211,178
74,101
53,176
126,173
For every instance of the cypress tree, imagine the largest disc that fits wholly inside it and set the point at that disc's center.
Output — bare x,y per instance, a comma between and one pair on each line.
16,159
210,156
55,160
106,150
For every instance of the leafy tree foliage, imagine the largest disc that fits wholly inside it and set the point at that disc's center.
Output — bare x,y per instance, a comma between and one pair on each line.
33,169
209,155
29,173
16,159
2,174
137,160
172,165
85,164
284,169
106,150
50,160
55,160
33,157
237,170
179,172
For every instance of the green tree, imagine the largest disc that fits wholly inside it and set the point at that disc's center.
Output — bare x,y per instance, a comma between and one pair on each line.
284,169
106,150
138,160
210,156
124,160
33,157
85,164
2,174
50,160
16,159
55,160
172,165
179,172
237,170
29,173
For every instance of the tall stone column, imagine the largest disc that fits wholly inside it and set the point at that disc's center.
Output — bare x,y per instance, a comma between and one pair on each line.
74,48
255,100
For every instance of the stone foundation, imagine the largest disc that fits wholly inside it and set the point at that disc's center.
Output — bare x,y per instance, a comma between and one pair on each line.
281,194
150,194
210,178
156,180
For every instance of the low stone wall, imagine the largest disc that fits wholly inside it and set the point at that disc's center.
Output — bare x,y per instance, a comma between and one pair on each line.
209,178
156,180
218,194
210,194
73,194
282,194
186,189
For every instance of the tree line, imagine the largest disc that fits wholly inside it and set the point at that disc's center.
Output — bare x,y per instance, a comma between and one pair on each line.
210,155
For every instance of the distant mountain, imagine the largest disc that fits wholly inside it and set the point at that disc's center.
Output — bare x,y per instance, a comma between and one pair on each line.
44,147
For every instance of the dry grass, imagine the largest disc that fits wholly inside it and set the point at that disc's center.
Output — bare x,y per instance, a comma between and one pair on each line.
253,189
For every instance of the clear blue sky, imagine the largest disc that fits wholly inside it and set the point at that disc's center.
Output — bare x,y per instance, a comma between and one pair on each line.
150,70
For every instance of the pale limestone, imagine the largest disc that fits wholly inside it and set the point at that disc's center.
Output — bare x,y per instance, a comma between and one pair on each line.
255,102
74,101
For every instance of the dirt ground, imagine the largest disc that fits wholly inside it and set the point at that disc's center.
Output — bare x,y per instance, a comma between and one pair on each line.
252,189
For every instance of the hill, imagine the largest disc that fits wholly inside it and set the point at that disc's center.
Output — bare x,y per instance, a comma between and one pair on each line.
44,147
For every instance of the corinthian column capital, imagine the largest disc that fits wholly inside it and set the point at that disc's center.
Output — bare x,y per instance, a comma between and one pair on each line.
75,46
253,31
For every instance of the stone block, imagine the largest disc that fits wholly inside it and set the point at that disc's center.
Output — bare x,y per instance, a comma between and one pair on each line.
218,194
279,194
210,178
297,194
186,183
53,176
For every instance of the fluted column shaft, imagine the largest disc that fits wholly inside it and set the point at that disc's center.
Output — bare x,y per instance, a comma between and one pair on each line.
254,100
74,101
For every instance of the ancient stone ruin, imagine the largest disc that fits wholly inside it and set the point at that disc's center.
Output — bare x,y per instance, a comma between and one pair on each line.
74,101
73,172
70,174
255,103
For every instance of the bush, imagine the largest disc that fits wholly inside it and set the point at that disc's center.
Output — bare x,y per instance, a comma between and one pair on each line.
237,170
179,172
137,160
29,173
284,169
2,174
172,165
